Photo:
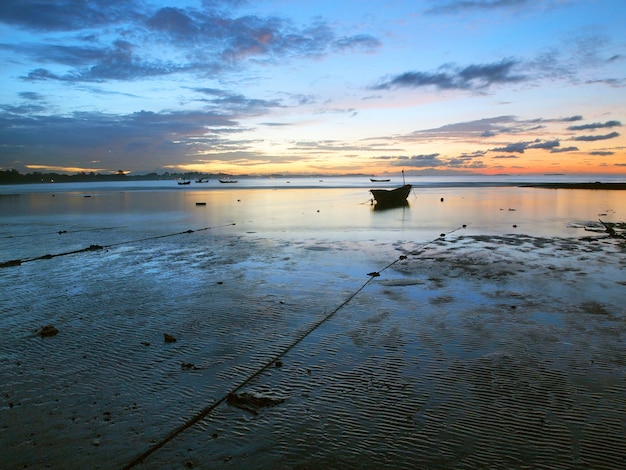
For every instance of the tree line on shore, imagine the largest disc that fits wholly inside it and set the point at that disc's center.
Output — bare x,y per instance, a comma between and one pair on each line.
15,177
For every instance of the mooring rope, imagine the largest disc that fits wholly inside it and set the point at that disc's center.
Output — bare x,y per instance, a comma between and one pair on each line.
204,412
18,262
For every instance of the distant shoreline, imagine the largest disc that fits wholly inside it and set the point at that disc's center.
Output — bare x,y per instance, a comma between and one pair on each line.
596,185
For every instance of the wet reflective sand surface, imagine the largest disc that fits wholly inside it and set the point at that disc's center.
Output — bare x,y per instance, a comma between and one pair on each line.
491,346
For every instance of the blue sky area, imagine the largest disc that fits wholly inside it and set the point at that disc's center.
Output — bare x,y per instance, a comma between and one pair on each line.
258,87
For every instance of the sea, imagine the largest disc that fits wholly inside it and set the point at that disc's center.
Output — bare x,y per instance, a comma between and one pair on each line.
328,207
290,323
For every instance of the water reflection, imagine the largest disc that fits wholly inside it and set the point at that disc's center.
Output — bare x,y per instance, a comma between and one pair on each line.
328,212
387,206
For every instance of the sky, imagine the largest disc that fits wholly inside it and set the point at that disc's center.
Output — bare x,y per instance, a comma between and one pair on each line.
320,87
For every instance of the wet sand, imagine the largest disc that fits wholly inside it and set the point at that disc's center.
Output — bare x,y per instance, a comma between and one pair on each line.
469,350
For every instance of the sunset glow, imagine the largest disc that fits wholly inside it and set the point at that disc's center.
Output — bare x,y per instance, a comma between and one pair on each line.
490,87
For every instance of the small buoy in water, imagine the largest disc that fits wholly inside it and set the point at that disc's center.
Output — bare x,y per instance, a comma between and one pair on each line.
442,235
514,226
200,203
464,226
441,199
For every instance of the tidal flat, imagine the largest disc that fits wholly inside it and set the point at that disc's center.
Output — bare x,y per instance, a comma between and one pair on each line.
301,337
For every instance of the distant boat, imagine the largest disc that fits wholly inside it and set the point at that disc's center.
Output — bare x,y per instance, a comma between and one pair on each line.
227,180
377,180
184,182
202,180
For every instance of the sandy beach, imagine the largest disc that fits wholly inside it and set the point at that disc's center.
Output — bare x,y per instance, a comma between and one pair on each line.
427,348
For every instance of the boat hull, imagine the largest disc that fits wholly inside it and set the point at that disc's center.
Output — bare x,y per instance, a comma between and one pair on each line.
390,197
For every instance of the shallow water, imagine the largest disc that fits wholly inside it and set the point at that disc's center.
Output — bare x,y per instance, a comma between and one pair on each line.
494,346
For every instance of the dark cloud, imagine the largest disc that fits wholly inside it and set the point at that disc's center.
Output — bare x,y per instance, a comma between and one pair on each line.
207,41
487,127
592,138
521,147
572,119
31,95
601,153
564,149
419,161
65,15
595,125
462,6
434,160
547,145
118,62
472,77
505,156
235,103
157,137
237,38
518,147
464,162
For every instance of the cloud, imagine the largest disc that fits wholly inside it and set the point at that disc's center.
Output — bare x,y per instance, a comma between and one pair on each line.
547,145
595,125
144,42
601,153
518,147
564,149
521,147
471,77
460,7
235,103
593,138
487,127
64,15
118,62
81,137
31,95
419,161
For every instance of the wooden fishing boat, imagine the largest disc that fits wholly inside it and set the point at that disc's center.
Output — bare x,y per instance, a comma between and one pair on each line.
227,180
184,182
377,180
391,197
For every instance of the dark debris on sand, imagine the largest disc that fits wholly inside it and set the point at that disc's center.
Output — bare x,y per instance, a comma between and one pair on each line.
250,402
47,330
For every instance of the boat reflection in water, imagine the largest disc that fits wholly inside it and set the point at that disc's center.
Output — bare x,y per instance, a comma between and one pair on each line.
385,206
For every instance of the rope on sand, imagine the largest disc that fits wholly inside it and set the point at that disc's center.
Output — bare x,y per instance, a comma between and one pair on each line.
204,412
18,262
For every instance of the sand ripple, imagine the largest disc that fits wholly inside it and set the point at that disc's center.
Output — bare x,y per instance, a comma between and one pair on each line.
466,356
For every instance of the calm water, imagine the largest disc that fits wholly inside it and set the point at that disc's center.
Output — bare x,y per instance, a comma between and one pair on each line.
510,323
332,209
